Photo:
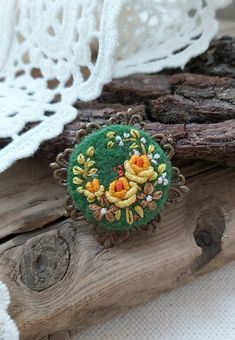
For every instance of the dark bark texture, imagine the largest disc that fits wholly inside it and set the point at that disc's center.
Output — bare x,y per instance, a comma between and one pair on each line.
196,107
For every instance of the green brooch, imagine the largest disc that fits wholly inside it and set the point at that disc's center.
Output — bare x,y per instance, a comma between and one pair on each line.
118,177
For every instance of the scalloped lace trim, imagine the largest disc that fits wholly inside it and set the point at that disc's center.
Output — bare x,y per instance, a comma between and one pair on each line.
8,329
54,52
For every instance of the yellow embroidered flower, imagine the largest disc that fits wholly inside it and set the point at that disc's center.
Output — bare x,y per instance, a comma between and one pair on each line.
139,169
122,192
93,190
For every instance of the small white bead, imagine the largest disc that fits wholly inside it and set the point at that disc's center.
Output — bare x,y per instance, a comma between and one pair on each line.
157,156
136,152
160,180
143,140
121,143
118,138
103,211
126,135
165,182
149,198
150,156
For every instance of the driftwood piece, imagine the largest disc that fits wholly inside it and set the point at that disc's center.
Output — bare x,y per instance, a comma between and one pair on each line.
30,198
61,279
198,111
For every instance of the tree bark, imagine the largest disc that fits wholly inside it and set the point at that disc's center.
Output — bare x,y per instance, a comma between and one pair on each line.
198,111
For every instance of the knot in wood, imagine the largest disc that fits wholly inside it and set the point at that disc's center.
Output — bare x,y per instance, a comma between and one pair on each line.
45,261
209,231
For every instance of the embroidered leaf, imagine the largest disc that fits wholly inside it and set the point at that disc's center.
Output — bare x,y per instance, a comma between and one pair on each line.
151,148
77,180
134,146
144,204
110,134
129,216
152,205
90,151
141,196
153,177
89,164
139,210
92,171
97,214
94,207
81,159
104,202
109,216
135,133
157,195
136,217
77,170
143,148
148,188
161,168
118,215
80,190
110,144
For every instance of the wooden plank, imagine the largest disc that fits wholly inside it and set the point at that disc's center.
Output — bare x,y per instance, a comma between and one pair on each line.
61,279
30,198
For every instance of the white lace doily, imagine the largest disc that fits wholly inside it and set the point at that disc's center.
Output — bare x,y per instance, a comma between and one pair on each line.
54,52
8,330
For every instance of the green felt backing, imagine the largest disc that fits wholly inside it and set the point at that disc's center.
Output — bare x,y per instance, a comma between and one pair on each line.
105,160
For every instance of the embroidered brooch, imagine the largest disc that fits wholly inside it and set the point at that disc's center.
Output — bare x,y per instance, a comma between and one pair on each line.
118,177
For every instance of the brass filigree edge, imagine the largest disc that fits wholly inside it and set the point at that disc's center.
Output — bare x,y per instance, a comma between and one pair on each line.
127,118
176,191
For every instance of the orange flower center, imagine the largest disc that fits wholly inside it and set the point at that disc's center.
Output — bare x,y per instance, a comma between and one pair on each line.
119,187
93,186
139,163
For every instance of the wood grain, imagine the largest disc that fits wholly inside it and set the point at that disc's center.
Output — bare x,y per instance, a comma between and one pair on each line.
61,279
30,198
25,201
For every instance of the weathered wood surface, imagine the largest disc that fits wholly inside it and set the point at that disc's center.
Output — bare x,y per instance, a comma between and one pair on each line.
59,278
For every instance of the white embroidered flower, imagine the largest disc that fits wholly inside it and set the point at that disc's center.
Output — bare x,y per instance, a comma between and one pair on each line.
126,135
156,156
153,158
162,179
103,211
136,152
149,198
118,138
143,140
